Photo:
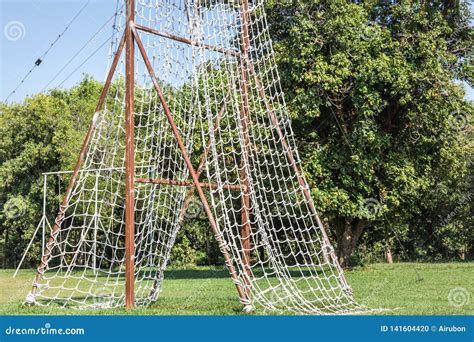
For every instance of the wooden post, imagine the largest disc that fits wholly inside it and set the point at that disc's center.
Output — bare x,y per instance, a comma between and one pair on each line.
43,233
244,120
129,158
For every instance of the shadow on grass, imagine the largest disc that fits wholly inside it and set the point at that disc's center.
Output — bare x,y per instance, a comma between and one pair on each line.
224,273
196,274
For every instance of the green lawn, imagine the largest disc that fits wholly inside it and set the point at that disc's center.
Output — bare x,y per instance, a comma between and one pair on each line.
407,288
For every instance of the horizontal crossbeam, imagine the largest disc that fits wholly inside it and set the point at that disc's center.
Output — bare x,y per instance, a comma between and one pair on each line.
185,183
187,41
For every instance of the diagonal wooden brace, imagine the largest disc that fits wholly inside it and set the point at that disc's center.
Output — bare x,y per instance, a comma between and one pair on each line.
215,228
294,165
60,216
199,170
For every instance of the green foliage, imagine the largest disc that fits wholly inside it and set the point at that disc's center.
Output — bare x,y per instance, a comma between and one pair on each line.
44,133
380,120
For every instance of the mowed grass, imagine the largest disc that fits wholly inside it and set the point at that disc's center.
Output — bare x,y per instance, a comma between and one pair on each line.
404,288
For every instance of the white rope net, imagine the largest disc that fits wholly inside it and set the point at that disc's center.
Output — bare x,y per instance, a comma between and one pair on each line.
291,265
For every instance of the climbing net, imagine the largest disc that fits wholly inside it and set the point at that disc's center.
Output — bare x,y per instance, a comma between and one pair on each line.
222,87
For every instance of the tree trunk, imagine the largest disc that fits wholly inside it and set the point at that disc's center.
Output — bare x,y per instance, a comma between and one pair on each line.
348,233
388,249
5,249
388,254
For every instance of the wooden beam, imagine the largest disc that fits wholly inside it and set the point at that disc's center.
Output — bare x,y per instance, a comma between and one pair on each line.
244,122
188,41
185,183
130,158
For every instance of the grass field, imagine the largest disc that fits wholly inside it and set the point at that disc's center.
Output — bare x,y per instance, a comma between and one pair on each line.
407,288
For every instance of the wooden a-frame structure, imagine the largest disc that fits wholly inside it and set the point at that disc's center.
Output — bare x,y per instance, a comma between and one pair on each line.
129,41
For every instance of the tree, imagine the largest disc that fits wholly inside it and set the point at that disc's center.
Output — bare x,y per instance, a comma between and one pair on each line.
378,115
42,134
